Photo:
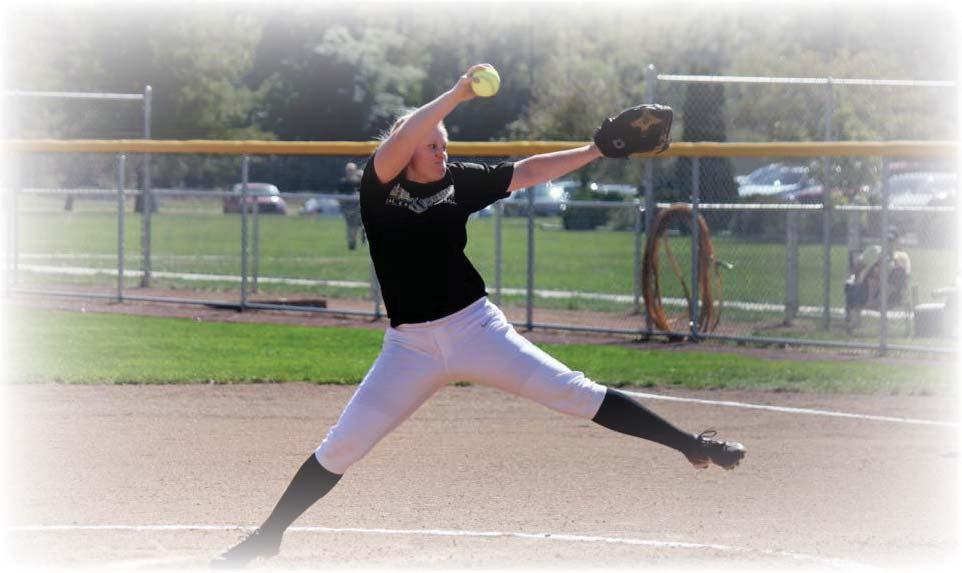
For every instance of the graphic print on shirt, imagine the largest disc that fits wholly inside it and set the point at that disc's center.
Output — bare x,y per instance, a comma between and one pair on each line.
398,197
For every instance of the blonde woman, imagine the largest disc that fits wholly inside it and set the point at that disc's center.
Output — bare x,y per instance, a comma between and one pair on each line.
415,206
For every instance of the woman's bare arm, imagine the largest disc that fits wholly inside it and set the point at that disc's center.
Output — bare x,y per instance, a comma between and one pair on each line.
395,152
547,166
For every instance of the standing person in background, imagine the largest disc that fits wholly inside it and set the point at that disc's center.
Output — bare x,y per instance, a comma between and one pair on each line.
415,206
350,184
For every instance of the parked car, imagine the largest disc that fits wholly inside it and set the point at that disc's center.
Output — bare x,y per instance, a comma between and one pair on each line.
548,199
575,217
757,176
484,213
320,206
781,181
922,189
912,189
266,196
586,217
627,191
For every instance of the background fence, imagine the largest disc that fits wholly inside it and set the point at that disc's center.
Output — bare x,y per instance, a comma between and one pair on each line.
807,109
550,260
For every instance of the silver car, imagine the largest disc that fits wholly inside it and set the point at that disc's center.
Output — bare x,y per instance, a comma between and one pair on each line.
321,206
548,197
781,181
266,196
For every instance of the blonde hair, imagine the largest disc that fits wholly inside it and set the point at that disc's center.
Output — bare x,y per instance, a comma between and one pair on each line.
402,117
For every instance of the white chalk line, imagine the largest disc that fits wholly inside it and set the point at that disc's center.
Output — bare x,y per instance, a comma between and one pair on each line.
88,271
557,537
541,293
547,294
791,410
127,564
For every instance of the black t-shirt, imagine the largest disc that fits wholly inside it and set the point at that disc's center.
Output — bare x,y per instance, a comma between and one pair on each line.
417,233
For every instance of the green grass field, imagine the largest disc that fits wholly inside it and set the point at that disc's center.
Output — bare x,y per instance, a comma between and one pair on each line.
82,348
314,248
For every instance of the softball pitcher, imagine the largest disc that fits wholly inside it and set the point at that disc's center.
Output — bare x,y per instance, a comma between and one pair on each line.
415,206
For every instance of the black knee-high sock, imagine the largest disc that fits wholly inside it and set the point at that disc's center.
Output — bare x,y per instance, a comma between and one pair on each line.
620,413
310,484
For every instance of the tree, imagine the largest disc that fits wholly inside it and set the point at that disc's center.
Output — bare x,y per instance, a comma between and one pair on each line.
703,119
341,80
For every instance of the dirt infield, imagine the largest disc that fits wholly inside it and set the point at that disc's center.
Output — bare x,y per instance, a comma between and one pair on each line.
475,478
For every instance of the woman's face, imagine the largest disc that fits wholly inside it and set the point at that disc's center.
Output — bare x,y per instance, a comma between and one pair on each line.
429,161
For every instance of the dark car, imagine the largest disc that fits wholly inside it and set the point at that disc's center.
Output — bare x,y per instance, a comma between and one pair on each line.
267,197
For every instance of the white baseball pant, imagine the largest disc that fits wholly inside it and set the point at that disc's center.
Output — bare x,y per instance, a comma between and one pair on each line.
475,344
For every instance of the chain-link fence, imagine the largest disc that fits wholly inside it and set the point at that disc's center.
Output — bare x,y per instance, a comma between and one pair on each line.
762,109
551,257
797,259
742,108
205,246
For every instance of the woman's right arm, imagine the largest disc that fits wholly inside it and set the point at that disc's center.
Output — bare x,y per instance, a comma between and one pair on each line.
395,152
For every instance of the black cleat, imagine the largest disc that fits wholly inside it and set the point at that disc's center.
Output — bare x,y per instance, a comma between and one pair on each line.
706,451
257,544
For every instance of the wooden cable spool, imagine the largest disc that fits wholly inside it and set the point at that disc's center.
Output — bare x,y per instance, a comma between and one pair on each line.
709,278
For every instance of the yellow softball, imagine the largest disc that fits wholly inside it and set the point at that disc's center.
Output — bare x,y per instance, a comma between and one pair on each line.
485,81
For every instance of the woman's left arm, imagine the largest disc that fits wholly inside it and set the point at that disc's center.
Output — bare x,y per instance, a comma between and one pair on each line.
547,166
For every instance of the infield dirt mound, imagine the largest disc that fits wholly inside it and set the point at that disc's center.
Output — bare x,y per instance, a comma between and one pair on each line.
812,492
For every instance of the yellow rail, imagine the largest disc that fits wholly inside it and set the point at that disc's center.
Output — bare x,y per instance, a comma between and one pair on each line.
485,148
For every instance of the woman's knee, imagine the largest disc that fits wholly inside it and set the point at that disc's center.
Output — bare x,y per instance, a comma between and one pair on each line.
568,392
340,451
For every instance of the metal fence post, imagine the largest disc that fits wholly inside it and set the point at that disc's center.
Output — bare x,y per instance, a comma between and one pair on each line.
827,261
256,247
791,266
245,171
853,233
147,198
121,223
695,198
636,276
650,207
529,302
827,217
884,263
498,212
375,292
651,80
829,108
148,109
8,249
15,228
13,249
8,240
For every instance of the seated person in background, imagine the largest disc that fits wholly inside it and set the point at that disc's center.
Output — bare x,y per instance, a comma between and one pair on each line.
863,287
